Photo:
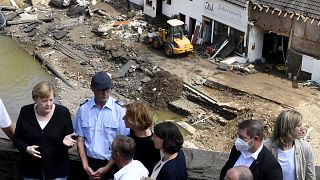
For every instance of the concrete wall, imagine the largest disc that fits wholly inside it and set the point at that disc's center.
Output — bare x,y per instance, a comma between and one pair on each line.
201,165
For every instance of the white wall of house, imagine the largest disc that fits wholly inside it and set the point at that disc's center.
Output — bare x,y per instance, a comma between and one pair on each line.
137,2
218,10
255,44
311,65
150,10
315,71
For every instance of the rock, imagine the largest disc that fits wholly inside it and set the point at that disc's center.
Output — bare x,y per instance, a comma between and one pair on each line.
59,34
224,64
146,79
30,27
71,22
76,11
32,33
122,72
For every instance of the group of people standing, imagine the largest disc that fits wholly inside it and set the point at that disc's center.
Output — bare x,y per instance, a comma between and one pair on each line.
285,156
113,141
117,142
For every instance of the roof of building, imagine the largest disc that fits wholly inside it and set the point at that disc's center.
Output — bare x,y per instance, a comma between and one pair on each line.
241,3
309,8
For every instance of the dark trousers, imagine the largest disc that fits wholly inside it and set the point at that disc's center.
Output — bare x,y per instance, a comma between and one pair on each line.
95,164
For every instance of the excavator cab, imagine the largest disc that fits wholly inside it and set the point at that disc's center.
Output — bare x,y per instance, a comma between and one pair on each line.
173,39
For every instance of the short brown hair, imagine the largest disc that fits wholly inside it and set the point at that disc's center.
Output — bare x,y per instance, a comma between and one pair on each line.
139,114
253,127
42,90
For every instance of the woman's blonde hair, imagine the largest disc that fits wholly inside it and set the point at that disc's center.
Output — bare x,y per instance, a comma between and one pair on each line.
42,90
139,114
284,126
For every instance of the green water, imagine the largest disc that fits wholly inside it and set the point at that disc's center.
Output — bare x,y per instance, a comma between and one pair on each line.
164,115
19,72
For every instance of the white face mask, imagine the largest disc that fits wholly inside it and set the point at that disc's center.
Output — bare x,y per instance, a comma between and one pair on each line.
242,145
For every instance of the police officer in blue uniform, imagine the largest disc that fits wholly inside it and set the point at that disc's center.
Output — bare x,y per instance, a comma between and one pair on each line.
97,122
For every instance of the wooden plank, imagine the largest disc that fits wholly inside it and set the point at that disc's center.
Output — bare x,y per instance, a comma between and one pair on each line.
118,23
14,3
195,35
187,127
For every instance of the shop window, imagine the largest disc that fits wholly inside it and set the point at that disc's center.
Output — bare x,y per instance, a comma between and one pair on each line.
169,2
220,33
237,38
149,2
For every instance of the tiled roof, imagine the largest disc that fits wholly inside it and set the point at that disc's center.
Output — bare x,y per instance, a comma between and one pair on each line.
309,8
241,3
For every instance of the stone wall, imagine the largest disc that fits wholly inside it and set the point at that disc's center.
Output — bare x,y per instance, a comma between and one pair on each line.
202,165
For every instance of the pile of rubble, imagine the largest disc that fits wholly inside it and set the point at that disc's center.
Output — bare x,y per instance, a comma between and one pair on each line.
162,89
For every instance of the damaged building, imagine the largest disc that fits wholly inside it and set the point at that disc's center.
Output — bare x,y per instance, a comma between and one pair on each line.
207,21
284,33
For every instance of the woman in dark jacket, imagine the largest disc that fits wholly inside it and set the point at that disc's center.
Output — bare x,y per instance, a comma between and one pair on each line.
172,166
43,136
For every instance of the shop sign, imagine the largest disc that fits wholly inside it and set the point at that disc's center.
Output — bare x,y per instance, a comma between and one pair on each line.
225,11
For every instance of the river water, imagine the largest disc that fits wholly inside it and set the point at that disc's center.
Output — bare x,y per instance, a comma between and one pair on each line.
19,72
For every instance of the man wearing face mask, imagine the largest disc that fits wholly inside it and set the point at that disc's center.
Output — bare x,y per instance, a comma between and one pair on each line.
249,151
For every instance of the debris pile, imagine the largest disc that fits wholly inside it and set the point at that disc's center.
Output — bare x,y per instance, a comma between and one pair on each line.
162,89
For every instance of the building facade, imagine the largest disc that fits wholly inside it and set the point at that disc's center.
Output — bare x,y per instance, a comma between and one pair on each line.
277,31
217,19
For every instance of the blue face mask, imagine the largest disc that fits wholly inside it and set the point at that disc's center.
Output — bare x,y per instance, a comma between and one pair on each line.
242,145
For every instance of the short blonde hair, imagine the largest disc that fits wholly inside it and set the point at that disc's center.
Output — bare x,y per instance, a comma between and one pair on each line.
284,126
139,114
42,90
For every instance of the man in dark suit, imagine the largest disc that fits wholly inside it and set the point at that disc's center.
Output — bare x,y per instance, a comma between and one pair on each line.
249,151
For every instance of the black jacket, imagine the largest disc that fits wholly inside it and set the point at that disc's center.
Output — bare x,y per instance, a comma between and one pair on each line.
55,157
266,167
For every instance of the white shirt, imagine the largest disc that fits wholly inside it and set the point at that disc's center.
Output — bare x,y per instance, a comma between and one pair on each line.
43,124
246,158
286,161
132,171
4,117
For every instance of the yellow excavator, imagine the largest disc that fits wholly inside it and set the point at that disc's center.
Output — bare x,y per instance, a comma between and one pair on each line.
173,39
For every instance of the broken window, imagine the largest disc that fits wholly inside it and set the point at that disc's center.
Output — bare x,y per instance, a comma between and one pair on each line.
220,33
149,2
237,38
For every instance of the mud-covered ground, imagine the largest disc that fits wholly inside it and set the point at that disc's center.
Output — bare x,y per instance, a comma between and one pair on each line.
83,51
